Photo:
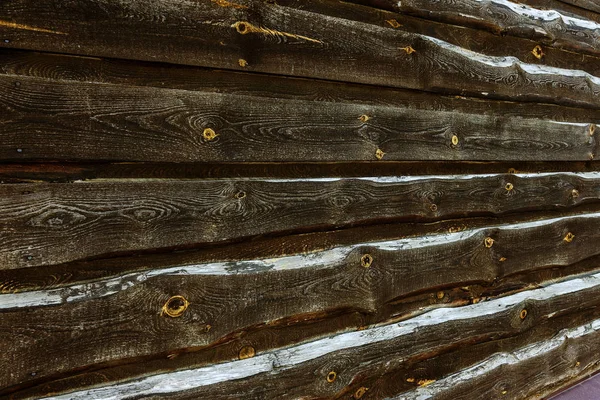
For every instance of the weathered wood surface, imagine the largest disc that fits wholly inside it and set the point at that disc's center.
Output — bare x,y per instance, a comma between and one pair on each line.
292,199
506,17
358,358
53,223
71,120
286,41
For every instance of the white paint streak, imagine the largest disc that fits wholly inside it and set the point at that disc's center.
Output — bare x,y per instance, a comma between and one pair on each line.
323,259
510,61
284,359
497,360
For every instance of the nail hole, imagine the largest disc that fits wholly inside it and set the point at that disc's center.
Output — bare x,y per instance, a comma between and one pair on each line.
379,154
360,392
240,195
512,171
455,140
537,52
433,207
209,134
175,306
575,193
331,376
440,295
509,186
569,237
523,314
489,242
366,260
246,352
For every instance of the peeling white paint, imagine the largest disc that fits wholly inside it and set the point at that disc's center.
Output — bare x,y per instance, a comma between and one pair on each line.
330,258
287,358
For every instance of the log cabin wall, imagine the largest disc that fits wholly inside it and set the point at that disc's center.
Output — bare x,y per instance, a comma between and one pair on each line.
298,199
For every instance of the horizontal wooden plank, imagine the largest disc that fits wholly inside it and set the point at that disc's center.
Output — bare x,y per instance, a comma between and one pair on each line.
549,26
74,121
45,224
285,41
228,299
360,357
477,40
17,63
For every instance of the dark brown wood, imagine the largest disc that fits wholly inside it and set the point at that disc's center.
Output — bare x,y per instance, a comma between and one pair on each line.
45,224
564,30
284,41
72,120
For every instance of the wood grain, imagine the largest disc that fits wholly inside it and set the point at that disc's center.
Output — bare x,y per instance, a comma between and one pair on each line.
233,297
285,41
75,121
360,357
45,224
549,26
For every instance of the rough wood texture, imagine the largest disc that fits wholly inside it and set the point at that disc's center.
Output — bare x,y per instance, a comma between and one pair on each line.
319,200
286,41
51,223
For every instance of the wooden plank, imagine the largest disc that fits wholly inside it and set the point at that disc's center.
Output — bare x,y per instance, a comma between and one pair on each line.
505,17
16,64
481,41
360,357
285,41
45,224
228,299
73,120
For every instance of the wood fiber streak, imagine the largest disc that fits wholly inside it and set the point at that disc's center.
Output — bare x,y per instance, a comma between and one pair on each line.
505,17
18,64
75,121
99,323
45,224
477,40
295,376
286,41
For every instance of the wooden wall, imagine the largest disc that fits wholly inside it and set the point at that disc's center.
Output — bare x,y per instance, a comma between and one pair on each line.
298,199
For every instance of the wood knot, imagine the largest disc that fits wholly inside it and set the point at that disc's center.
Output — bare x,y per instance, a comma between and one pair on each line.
454,140
523,314
575,193
509,186
538,52
246,352
433,207
331,376
489,242
440,295
366,260
408,49
364,118
175,306
208,134
242,62
569,237
240,195
379,154
242,27
360,392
